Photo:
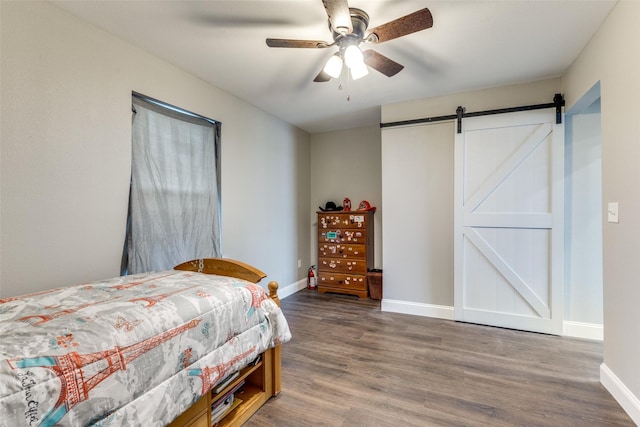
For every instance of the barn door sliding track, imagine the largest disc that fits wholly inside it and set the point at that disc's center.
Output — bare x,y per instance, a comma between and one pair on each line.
558,103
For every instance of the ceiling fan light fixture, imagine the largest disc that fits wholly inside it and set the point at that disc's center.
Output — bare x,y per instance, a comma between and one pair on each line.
359,70
353,56
350,27
333,67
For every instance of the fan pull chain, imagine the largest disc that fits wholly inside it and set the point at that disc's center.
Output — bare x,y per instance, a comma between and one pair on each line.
340,87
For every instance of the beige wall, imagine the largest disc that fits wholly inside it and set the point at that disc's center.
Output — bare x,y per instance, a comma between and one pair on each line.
417,190
346,164
65,153
539,92
611,57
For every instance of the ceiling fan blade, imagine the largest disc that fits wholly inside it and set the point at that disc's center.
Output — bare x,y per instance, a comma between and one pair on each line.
339,15
411,23
322,77
381,63
297,43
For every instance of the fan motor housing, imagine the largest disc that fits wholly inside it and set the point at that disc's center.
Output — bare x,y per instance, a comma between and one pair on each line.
359,21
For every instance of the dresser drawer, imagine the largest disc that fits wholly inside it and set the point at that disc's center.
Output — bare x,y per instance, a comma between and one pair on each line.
344,235
342,220
344,281
336,250
343,265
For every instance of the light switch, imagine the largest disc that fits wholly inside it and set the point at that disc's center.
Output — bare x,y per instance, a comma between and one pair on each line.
612,212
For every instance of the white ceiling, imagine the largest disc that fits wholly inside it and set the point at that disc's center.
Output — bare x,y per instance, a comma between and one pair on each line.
473,44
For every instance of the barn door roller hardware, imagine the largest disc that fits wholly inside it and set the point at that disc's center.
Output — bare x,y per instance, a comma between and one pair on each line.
558,103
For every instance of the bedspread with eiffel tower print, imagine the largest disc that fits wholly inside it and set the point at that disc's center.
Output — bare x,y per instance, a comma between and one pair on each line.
135,350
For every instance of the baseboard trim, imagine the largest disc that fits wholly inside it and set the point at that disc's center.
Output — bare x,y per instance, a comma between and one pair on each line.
291,289
620,393
590,331
417,309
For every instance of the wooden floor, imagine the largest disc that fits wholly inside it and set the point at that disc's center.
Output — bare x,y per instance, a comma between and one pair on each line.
349,364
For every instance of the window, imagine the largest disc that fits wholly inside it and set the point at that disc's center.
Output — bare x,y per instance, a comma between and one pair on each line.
174,199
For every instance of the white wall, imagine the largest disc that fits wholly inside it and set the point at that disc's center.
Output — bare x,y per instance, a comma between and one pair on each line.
346,164
65,155
611,59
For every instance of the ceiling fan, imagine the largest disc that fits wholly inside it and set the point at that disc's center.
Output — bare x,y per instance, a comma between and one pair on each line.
349,29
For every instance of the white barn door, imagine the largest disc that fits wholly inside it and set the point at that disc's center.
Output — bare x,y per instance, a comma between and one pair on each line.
508,221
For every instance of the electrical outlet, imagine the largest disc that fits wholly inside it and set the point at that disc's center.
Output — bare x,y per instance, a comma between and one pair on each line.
299,263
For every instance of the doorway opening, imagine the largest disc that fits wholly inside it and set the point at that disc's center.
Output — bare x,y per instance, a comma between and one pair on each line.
583,282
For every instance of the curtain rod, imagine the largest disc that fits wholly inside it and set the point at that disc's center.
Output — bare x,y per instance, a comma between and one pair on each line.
558,103
173,107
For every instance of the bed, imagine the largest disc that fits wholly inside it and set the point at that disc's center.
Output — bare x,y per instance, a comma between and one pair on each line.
151,349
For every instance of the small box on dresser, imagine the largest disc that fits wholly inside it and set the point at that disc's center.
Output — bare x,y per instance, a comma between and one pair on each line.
345,251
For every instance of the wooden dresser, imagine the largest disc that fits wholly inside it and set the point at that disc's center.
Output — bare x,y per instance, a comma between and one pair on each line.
345,251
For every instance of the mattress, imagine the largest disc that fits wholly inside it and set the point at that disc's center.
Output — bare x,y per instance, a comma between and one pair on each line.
134,350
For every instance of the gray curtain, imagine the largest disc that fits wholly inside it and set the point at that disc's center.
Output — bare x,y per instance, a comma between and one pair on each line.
174,199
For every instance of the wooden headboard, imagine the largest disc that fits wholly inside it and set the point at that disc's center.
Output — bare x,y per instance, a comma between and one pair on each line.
223,267
232,268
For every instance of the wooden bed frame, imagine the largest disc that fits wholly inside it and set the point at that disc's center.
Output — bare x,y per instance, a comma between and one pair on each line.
262,380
